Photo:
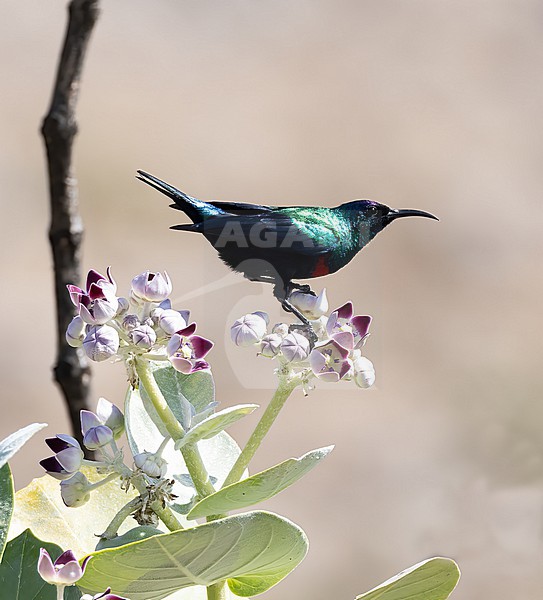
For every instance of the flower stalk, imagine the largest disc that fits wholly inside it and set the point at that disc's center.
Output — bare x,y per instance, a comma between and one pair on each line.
285,388
190,452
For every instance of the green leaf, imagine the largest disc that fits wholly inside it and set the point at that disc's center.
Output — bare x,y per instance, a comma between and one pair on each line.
432,579
253,551
218,453
216,423
39,507
141,532
258,487
19,577
6,504
10,445
198,388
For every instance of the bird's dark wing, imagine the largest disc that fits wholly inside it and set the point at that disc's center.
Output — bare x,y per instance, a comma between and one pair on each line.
269,231
241,208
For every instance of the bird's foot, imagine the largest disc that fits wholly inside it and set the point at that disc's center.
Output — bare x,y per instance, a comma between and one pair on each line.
306,330
304,327
304,288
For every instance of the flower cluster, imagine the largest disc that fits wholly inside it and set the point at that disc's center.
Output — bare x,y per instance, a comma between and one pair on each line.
100,431
335,356
66,571
109,326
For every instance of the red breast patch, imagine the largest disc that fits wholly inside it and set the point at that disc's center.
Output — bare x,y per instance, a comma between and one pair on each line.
321,268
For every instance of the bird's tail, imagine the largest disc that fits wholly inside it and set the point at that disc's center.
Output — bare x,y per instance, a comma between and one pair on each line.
195,209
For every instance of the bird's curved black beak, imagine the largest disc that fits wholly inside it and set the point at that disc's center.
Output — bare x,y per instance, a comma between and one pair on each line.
408,212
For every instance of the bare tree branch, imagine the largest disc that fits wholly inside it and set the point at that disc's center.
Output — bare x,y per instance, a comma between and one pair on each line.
59,128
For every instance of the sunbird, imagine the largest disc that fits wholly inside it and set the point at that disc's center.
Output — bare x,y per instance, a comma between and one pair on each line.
277,244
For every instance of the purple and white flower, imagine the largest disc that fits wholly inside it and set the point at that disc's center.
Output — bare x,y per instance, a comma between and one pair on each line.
330,361
66,569
98,303
186,350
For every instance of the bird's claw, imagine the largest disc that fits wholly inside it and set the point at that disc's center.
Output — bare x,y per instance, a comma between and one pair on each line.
303,288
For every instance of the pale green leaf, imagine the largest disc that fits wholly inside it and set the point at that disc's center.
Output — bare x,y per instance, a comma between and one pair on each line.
218,453
432,579
39,506
19,578
10,445
253,551
258,487
6,504
216,423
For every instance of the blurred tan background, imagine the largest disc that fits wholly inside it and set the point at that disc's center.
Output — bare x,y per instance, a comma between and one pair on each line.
417,104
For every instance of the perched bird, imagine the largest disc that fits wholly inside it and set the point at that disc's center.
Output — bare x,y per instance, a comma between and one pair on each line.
277,244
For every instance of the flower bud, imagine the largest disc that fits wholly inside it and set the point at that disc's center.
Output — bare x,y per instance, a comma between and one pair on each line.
111,416
152,465
143,336
249,329
67,459
270,345
311,306
364,372
75,491
295,347
130,322
281,329
75,333
96,437
99,311
101,342
123,306
171,321
152,287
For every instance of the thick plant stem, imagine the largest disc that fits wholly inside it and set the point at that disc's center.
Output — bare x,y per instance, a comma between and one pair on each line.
217,591
270,414
190,453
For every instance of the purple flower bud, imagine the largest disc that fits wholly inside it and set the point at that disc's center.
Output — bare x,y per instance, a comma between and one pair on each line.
96,437
295,347
249,329
171,321
75,333
67,459
64,571
101,342
270,345
311,306
111,416
143,336
152,465
364,372
124,305
75,491
130,322
152,287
